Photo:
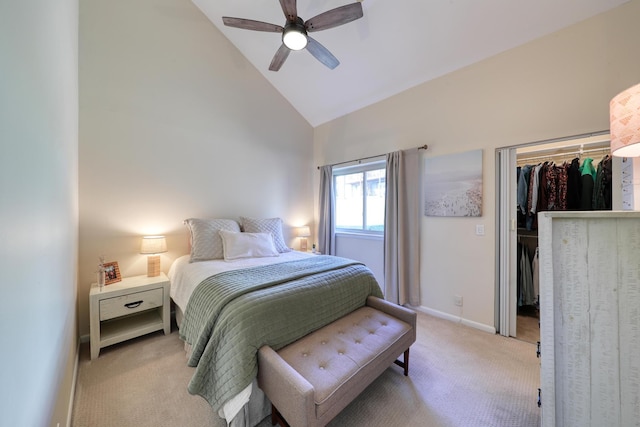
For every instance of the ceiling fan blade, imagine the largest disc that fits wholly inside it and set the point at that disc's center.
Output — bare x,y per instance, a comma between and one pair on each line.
279,58
321,53
249,24
335,17
290,9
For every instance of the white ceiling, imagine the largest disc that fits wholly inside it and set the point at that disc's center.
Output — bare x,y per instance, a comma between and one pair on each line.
396,45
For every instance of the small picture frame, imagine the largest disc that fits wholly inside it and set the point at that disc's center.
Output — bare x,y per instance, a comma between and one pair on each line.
111,273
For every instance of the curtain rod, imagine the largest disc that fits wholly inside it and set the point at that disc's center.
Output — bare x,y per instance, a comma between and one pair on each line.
422,147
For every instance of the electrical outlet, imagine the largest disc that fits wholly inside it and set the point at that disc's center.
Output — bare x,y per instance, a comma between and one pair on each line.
457,300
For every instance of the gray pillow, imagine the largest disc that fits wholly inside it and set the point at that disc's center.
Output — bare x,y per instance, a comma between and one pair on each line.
206,242
266,225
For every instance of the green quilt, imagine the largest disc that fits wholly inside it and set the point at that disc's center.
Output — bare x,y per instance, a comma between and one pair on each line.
232,314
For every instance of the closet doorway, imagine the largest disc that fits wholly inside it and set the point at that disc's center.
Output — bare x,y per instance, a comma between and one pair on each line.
517,295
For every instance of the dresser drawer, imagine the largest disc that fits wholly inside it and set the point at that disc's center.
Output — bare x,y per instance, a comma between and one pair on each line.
131,303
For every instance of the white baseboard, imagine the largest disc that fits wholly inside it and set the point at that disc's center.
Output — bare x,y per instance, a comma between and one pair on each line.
74,380
456,319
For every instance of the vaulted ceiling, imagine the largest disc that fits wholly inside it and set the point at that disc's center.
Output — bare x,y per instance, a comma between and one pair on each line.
396,45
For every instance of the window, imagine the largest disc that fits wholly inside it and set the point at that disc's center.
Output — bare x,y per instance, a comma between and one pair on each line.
359,193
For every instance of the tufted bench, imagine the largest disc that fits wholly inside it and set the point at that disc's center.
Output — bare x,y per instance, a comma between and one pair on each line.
311,380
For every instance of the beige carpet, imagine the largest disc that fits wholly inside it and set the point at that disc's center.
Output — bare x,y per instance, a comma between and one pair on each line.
458,376
528,328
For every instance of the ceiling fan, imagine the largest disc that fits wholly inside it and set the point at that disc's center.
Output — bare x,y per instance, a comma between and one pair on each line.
294,32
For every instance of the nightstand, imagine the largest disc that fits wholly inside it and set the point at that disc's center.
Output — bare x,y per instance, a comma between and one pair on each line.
127,309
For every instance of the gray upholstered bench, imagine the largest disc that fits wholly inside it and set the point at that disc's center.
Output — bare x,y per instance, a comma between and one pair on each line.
311,380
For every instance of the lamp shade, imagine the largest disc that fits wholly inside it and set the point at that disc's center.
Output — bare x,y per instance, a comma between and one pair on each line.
303,231
624,112
153,245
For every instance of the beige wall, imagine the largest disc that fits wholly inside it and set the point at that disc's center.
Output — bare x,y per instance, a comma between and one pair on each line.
39,209
557,86
175,123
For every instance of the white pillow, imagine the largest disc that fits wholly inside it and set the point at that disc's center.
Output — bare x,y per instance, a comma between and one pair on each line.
206,243
247,245
266,225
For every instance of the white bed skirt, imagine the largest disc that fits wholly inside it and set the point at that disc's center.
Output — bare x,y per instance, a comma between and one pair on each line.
248,407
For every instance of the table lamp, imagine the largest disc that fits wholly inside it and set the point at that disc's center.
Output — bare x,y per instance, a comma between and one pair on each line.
624,111
303,233
152,246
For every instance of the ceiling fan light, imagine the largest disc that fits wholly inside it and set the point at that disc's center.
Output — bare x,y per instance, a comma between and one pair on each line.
294,39
294,35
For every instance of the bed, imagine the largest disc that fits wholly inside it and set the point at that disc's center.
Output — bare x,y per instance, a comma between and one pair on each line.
246,290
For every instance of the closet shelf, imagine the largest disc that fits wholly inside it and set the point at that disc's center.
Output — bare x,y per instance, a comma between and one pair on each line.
568,153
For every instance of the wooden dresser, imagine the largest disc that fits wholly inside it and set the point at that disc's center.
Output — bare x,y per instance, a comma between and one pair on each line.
590,318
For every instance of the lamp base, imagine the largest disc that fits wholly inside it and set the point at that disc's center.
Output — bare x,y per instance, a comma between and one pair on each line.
153,265
303,244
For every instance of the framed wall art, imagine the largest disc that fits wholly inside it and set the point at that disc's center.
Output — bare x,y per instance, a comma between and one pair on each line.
453,184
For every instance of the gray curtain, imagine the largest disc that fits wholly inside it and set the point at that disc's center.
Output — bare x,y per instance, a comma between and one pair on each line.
402,228
326,236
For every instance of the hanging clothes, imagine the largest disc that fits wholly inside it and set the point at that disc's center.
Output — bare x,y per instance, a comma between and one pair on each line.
601,199
562,176
531,219
525,218
574,185
569,186
587,179
523,188
519,213
533,201
552,187
526,294
607,182
543,193
535,268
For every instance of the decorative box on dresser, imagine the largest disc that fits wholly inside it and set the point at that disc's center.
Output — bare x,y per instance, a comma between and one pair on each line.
127,309
590,318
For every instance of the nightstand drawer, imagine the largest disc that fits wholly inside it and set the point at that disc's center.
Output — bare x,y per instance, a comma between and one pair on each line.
131,303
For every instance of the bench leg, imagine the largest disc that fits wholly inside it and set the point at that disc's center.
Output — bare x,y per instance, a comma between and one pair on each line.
404,364
276,417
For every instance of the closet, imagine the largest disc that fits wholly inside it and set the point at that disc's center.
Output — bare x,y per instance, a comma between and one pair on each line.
565,176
